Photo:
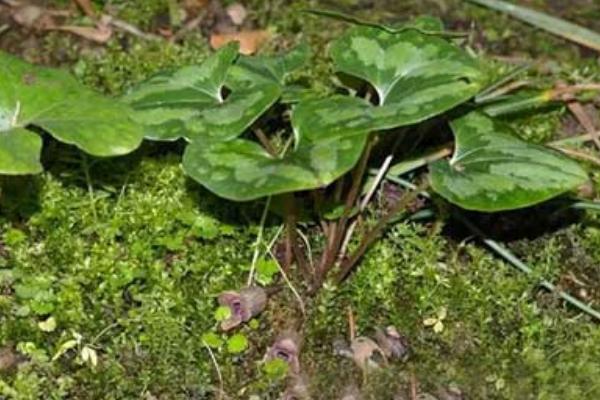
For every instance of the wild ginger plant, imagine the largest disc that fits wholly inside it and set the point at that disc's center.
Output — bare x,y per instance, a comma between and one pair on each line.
34,98
416,82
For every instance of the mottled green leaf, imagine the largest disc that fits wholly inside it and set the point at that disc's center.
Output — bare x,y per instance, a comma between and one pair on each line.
20,152
188,102
416,76
492,170
328,144
268,69
52,100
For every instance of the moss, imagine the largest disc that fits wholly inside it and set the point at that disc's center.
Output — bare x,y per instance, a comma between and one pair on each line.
131,267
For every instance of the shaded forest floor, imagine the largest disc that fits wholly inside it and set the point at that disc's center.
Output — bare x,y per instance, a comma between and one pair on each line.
129,262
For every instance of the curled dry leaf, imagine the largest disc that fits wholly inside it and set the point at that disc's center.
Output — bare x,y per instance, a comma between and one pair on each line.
250,41
393,344
243,305
287,348
367,354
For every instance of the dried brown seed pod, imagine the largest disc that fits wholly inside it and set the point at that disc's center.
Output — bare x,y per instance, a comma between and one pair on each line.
287,348
393,344
243,305
367,354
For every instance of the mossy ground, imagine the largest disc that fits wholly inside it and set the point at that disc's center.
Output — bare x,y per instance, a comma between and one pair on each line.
130,259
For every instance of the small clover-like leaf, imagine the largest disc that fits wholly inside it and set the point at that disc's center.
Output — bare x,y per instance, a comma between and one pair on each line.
222,313
492,170
212,340
416,76
237,344
265,271
52,100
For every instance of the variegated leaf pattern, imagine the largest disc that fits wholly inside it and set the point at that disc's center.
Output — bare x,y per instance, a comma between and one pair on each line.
271,69
20,152
416,76
52,100
188,102
328,144
492,170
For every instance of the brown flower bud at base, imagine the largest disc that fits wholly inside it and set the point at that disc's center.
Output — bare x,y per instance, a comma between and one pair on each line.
243,305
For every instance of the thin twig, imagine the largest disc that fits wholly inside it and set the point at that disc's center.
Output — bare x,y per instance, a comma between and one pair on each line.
132,30
188,27
578,154
90,187
266,143
308,247
289,283
351,324
259,238
376,231
413,386
512,259
329,257
584,119
363,205
216,364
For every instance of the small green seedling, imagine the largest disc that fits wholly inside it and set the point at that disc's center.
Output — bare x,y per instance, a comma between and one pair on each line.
34,98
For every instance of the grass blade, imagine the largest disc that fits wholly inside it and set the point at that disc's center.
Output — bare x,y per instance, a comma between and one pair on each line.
508,256
554,25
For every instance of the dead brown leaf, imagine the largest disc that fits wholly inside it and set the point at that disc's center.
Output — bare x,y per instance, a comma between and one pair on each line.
250,41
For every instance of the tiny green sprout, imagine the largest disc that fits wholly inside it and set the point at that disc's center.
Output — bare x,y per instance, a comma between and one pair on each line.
275,369
266,271
222,313
437,322
212,340
238,343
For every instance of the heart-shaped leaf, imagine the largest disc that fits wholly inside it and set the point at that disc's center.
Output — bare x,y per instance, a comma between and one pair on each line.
20,152
492,170
327,146
416,76
188,102
271,69
52,100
